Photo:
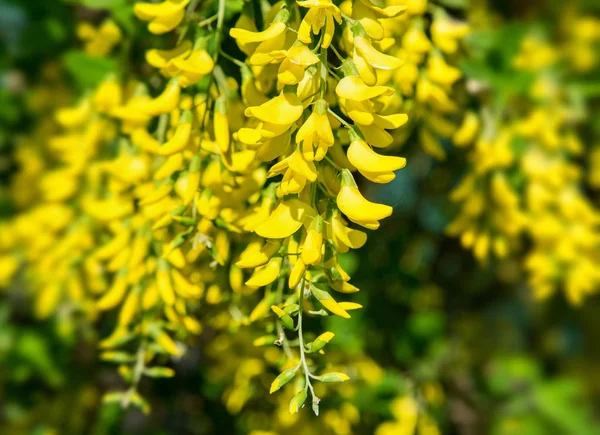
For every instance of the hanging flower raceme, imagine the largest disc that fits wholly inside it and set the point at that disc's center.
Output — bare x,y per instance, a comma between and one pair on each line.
186,193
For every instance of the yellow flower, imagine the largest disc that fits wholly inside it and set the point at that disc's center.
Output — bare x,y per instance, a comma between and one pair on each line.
282,110
179,140
367,59
315,134
311,249
359,210
286,219
442,73
373,166
166,102
297,58
256,255
99,42
467,130
221,124
298,171
355,100
264,275
369,15
320,12
343,237
192,68
268,46
446,32
162,58
163,17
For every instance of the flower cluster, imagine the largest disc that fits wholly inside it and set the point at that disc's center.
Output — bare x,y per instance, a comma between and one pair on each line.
219,186
523,182
210,190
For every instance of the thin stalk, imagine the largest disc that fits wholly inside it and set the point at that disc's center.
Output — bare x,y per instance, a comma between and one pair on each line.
207,21
302,362
339,118
284,341
232,59
219,37
161,131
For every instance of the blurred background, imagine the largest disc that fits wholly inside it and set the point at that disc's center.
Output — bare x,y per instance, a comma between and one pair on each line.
448,342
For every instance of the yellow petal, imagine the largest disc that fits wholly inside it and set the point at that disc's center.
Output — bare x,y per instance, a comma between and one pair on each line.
246,36
285,220
354,88
284,109
374,57
159,58
356,207
266,274
364,158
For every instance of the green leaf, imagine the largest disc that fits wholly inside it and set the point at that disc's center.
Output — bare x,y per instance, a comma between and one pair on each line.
86,70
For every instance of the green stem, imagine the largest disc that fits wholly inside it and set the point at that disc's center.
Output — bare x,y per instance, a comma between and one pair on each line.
219,37
138,370
336,53
207,21
332,163
339,118
302,362
163,123
284,341
232,59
